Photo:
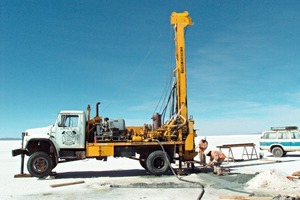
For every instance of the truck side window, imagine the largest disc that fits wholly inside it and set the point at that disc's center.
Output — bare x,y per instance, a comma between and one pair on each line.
62,121
68,121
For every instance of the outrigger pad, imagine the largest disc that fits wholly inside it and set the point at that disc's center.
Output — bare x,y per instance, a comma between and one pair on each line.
22,175
17,152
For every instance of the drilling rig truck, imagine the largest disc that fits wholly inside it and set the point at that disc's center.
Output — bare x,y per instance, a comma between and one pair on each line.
75,135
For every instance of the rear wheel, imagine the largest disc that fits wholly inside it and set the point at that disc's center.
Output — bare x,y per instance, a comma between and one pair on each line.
277,151
40,164
157,163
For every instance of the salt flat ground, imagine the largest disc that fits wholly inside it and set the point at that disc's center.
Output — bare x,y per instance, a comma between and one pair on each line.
122,178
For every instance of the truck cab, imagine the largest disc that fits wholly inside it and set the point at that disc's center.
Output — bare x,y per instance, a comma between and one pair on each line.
68,132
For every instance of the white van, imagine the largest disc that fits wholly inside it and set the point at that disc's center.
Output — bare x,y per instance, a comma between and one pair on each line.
280,140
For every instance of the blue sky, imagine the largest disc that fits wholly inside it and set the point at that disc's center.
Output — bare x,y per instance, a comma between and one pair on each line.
243,62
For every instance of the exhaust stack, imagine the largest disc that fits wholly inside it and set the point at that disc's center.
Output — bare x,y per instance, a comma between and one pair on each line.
97,109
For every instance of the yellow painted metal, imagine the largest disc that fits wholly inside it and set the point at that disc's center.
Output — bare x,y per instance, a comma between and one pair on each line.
180,22
98,150
135,129
137,138
189,141
190,155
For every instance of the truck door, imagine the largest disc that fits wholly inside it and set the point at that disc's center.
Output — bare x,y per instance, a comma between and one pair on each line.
69,133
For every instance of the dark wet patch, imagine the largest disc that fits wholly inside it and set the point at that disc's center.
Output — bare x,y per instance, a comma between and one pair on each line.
238,178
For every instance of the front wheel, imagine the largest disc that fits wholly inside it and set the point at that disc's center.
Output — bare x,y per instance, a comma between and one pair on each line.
158,163
277,152
39,164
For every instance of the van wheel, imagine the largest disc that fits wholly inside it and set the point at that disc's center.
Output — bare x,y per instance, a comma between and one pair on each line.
277,152
157,163
39,164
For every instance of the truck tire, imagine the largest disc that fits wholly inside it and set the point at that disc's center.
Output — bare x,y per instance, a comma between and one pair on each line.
157,163
277,152
39,164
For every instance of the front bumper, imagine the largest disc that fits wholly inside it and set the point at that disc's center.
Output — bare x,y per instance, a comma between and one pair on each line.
17,152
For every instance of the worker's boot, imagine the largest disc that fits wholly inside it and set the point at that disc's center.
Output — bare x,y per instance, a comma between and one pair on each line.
219,171
215,170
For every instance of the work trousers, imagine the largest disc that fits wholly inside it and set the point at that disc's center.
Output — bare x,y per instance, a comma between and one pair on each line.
202,158
217,167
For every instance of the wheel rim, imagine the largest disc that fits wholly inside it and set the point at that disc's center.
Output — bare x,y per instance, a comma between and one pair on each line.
158,163
40,164
277,152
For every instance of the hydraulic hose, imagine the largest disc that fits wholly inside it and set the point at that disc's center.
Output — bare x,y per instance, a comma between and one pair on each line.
179,178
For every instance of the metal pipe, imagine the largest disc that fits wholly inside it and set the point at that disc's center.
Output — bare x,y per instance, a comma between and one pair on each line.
88,123
22,155
97,109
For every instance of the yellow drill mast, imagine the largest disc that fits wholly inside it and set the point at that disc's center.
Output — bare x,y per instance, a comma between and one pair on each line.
180,22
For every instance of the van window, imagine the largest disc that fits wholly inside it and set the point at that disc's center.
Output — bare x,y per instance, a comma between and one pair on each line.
295,135
270,135
283,135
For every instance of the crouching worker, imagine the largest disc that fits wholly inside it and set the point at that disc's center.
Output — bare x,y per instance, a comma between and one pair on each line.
216,159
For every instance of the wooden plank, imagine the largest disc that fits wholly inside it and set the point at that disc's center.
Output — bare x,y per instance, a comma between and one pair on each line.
237,145
22,175
66,184
244,198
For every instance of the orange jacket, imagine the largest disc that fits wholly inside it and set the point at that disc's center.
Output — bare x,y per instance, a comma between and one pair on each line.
217,155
